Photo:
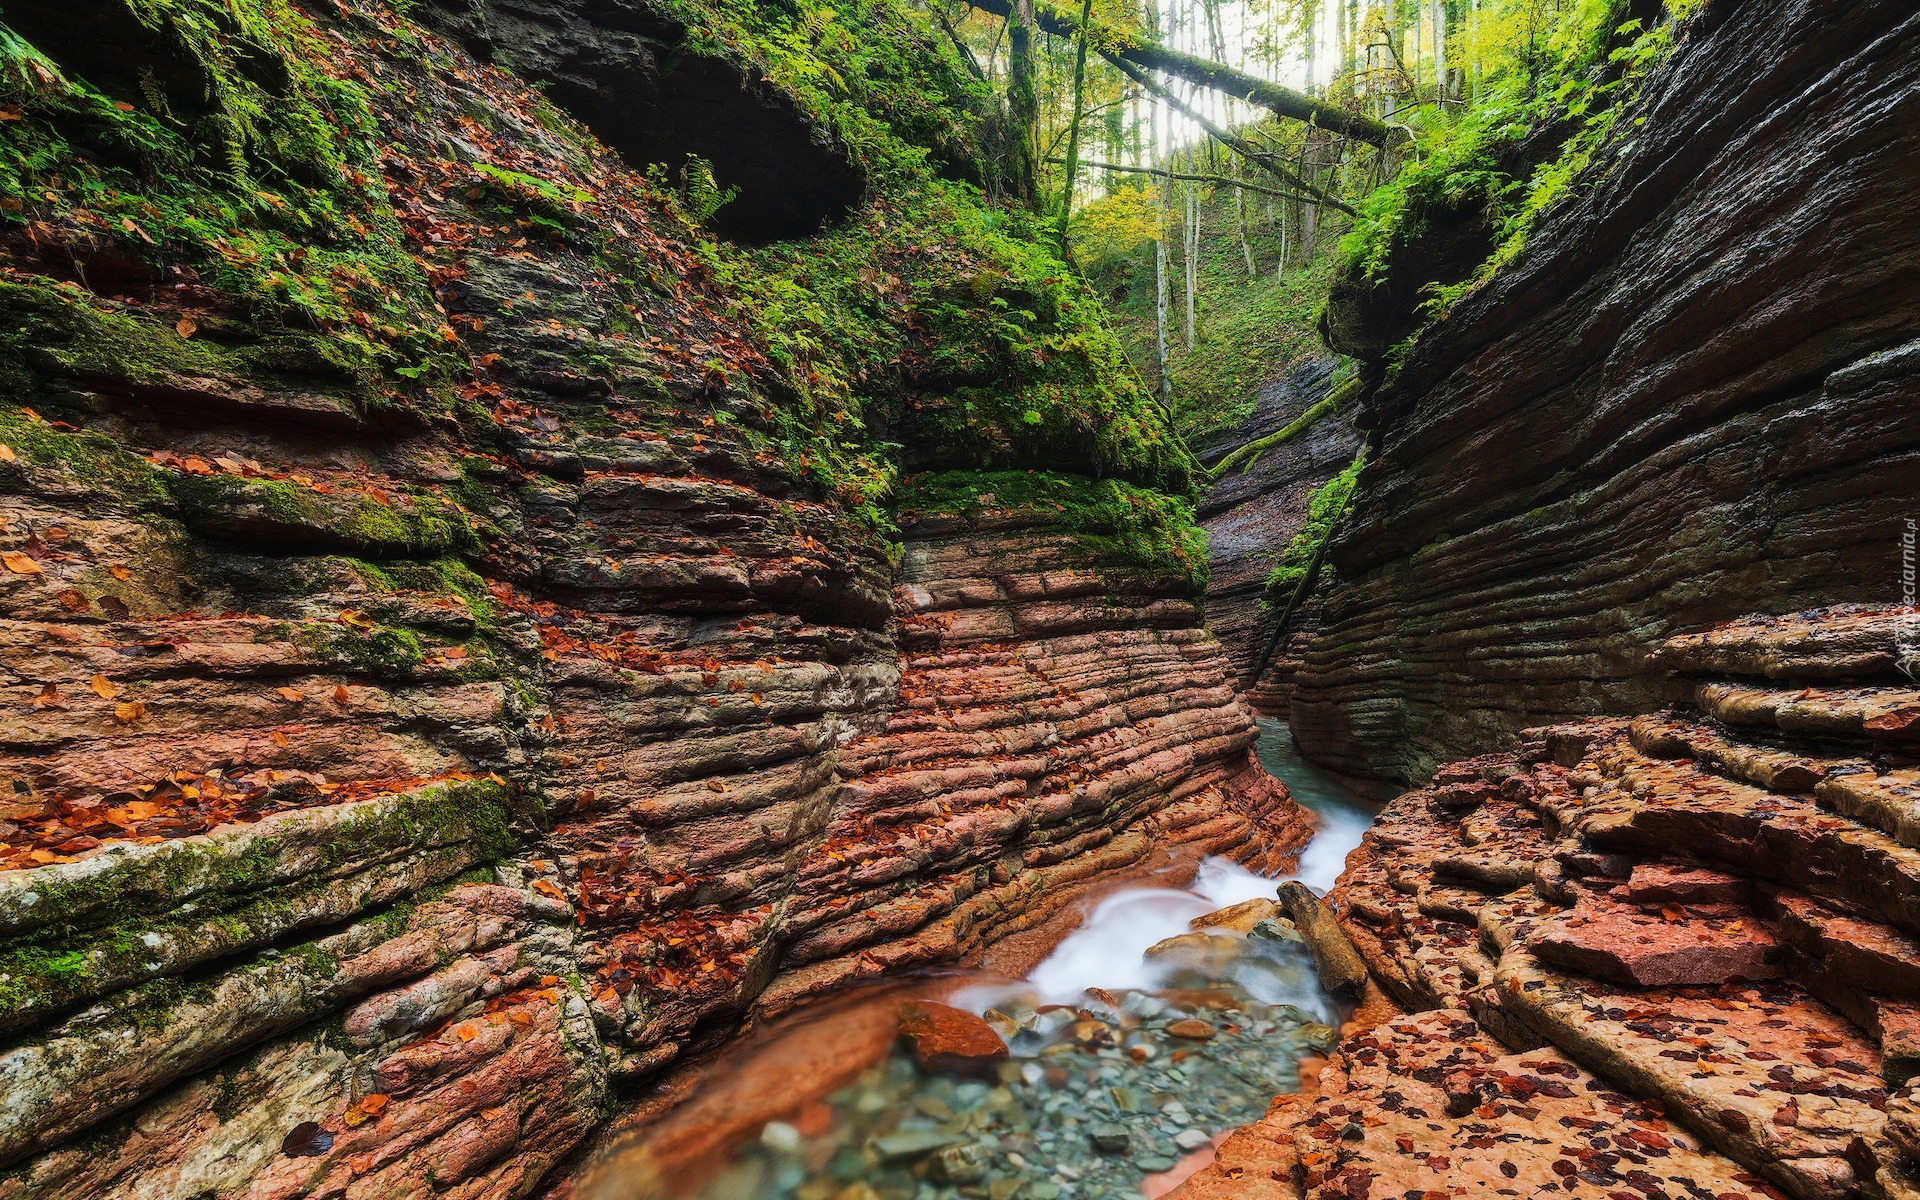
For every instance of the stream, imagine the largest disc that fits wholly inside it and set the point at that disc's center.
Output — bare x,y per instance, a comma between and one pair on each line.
1125,1068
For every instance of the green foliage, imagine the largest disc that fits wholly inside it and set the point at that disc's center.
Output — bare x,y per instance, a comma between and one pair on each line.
1574,64
931,315
1249,330
273,195
1120,524
1323,512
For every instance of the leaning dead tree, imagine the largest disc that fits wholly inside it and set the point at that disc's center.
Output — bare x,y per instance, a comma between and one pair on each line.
1118,46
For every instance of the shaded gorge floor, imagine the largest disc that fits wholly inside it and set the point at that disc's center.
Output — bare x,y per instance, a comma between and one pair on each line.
1134,1047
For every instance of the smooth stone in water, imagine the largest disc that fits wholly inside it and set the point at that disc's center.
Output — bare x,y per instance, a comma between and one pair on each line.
1191,1139
1109,1137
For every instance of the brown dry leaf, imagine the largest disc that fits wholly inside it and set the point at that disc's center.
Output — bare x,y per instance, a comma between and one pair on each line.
466,1031
49,697
120,572
1672,915
73,601
20,564
115,607
130,712
102,687
340,693
373,1102
291,695
360,1164
186,326
279,739
6,453
546,888
140,810
521,1017
547,981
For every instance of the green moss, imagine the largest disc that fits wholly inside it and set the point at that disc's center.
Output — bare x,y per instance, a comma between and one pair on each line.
1582,73
65,963
91,460
1119,524
234,506
387,652
246,154
1323,513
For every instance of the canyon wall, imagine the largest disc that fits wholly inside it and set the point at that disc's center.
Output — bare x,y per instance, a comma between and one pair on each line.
447,679
1691,398
1251,513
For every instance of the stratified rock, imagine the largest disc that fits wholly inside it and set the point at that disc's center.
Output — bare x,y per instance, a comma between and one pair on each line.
1427,1103
1248,512
1621,944
1765,989
1538,513
944,1038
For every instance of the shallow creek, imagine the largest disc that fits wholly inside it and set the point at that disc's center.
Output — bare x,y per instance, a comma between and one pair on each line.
1124,1070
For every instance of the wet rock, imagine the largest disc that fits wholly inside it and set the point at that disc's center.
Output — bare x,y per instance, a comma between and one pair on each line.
1341,969
961,1164
913,1145
1281,930
1238,918
1197,955
1192,1029
1109,1137
943,1038
1191,1139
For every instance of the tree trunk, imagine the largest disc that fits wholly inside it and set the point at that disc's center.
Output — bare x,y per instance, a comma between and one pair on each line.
1439,8
1121,46
1073,130
1023,107
1193,260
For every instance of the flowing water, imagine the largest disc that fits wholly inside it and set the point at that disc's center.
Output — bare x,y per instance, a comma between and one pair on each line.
1125,1069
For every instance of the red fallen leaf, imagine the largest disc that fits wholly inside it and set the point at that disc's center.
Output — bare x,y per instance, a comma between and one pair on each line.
340,694
373,1102
73,601
114,607
306,1140
546,887
291,695
466,1031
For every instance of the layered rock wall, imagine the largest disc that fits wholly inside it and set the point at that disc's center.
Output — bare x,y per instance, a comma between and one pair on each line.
1674,954
1691,398
404,753
1251,513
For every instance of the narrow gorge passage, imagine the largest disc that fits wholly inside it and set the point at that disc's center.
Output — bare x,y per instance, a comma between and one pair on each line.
959,599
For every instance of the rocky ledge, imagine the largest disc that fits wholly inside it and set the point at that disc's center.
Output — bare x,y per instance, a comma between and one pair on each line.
1677,955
